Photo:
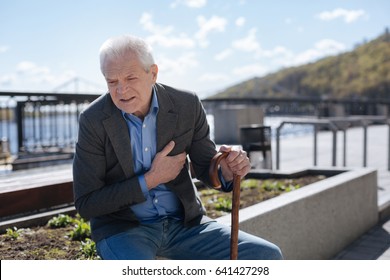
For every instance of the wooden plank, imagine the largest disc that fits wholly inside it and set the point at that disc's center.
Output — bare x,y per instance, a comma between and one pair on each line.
19,180
35,199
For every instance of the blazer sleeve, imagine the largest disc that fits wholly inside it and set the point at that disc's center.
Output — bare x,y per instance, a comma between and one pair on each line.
94,195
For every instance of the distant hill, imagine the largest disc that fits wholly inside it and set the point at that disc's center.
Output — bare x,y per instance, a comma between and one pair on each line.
363,72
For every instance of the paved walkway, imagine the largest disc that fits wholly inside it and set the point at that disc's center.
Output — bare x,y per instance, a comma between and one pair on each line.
297,153
374,245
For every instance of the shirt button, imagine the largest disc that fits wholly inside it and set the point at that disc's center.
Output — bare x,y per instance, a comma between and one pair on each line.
156,200
144,125
146,149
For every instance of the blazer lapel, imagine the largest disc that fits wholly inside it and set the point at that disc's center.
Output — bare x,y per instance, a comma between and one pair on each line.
166,118
118,134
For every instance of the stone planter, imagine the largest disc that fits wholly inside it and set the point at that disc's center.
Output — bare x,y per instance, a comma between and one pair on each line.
318,220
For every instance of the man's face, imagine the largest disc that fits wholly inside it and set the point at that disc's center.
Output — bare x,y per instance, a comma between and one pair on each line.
130,86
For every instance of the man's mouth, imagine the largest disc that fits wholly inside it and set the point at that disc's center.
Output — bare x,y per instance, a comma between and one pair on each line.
125,100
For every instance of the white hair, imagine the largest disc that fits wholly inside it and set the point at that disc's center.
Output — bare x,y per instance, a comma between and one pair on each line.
121,46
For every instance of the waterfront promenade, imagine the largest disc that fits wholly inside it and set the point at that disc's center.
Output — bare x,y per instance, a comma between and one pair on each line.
296,152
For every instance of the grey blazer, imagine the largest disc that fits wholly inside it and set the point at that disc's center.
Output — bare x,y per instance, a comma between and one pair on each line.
104,181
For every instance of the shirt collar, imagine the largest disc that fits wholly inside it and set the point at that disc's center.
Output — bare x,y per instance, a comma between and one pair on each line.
154,105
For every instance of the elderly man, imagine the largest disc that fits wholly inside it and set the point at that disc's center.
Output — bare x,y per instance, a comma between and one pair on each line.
131,171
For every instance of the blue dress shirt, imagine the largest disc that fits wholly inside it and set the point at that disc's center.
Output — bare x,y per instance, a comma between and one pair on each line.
160,201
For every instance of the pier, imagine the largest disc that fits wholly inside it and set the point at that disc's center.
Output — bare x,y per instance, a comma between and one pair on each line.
37,135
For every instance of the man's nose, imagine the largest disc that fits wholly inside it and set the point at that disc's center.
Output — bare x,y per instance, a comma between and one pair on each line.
121,88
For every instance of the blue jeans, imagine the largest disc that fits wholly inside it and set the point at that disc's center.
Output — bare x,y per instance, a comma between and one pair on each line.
170,239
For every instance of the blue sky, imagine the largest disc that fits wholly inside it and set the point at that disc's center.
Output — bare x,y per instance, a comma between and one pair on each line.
199,45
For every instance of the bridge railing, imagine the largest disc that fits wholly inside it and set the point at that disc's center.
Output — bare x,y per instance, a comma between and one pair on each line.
336,124
39,122
317,124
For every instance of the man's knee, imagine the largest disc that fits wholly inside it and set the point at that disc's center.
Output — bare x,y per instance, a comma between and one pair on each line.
275,253
260,251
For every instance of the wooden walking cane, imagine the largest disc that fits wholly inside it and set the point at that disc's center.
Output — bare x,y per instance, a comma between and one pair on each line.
213,173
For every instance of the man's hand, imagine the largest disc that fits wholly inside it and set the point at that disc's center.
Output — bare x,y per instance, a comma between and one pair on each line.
164,168
237,162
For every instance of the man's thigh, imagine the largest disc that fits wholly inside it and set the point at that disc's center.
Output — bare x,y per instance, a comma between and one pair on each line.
139,243
212,241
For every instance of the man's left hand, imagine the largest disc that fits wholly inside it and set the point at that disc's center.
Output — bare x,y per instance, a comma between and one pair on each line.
237,162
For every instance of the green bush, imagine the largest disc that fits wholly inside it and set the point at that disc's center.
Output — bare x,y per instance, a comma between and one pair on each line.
88,249
60,221
81,230
12,233
223,204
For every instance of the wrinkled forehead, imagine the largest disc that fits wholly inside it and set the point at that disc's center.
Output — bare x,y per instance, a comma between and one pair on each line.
118,64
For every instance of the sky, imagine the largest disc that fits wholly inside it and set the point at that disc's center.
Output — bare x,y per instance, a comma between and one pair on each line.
199,45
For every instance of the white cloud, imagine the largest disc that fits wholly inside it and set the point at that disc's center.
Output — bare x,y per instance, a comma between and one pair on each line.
348,16
31,69
214,24
148,24
30,76
288,21
162,35
240,21
223,55
182,41
248,43
330,46
189,3
280,55
278,51
177,66
323,48
251,70
3,49
213,77
7,80
195,3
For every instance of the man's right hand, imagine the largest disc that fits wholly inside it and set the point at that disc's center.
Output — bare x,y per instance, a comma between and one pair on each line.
164,168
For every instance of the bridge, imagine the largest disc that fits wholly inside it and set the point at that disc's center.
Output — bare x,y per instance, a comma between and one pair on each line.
309,106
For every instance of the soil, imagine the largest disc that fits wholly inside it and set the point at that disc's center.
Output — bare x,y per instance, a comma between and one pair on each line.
40,243
252,191
46,243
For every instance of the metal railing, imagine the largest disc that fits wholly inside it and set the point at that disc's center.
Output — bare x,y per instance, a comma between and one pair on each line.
316,124
336,124
40,122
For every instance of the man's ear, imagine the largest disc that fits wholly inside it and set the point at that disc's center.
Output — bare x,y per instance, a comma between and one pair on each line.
154,71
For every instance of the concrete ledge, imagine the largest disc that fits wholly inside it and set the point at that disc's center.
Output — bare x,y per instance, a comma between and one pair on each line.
319,220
